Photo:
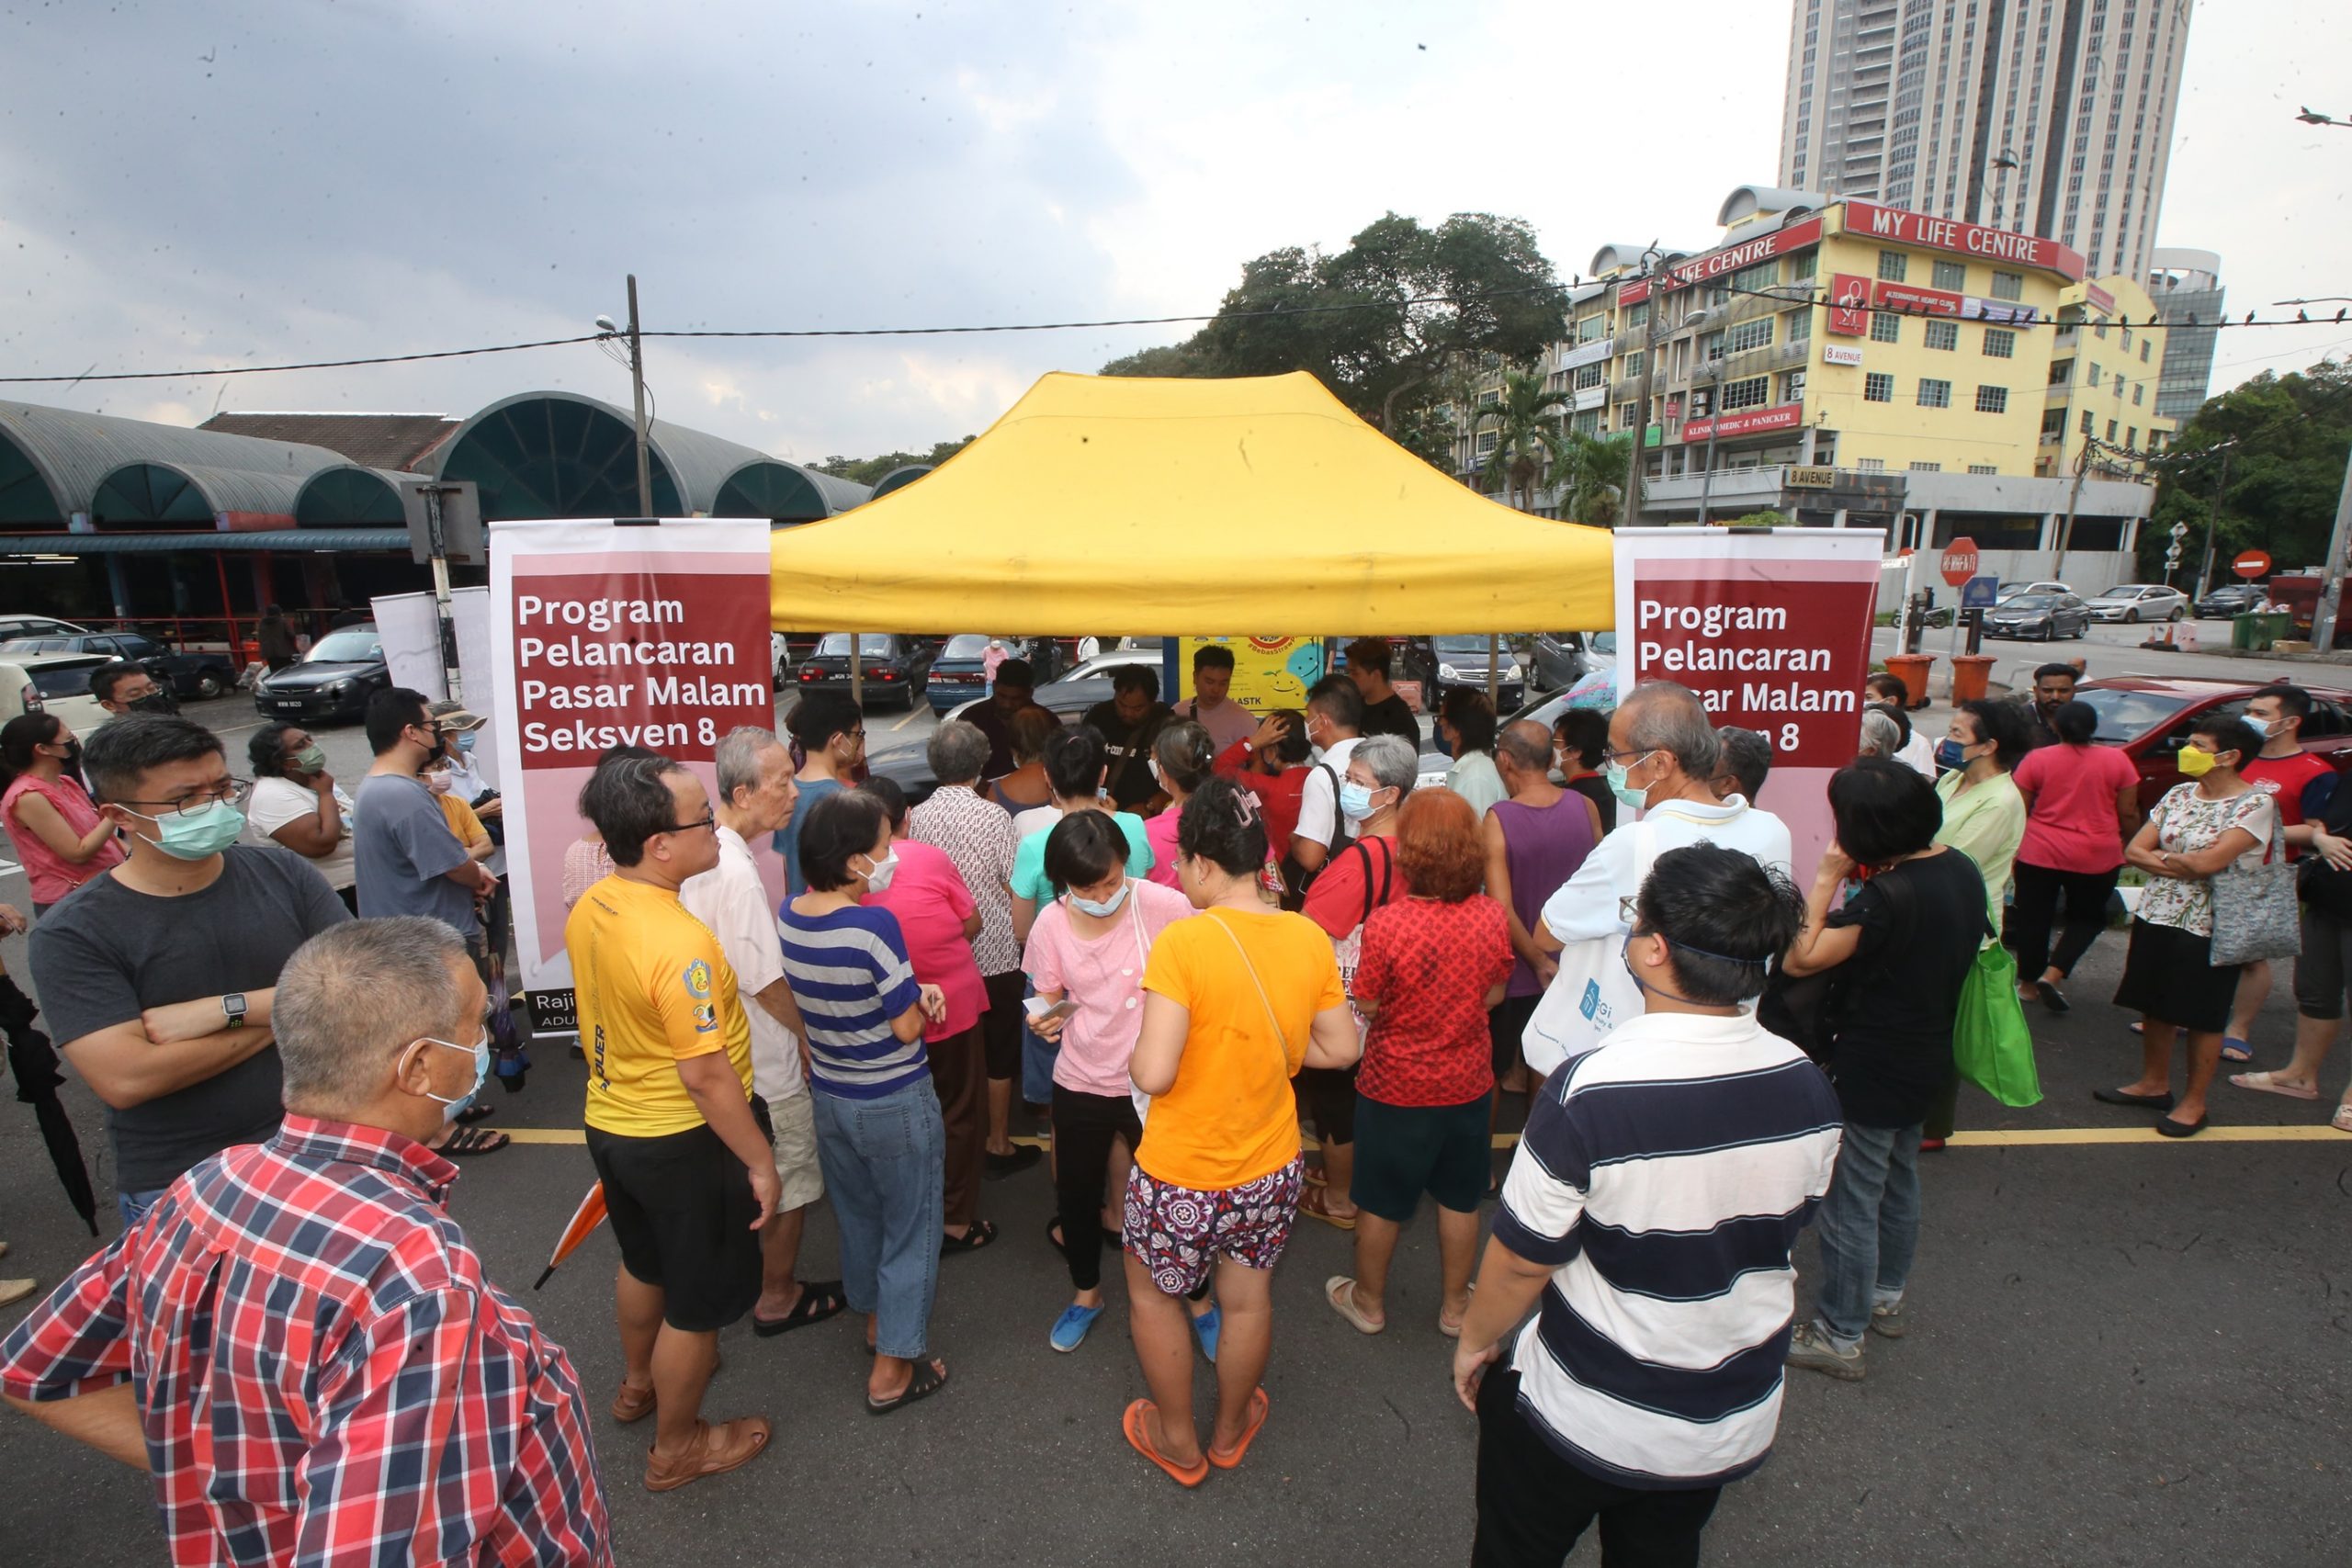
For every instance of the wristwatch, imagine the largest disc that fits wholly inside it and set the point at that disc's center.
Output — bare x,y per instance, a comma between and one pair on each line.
232,1007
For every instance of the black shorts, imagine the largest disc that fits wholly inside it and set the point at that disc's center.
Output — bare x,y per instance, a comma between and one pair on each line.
681,1207
1403,1151
2169,975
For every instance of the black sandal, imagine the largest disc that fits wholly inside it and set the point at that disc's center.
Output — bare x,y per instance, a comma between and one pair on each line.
473,1114
981,1235
927,1380
474,1141
819,1299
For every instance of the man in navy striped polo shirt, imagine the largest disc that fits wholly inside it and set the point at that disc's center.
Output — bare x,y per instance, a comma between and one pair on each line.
1661,1182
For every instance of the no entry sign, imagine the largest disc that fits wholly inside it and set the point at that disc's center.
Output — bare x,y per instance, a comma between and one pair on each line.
2250,564
1960,561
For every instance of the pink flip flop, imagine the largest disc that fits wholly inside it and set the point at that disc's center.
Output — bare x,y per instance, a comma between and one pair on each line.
2267,1083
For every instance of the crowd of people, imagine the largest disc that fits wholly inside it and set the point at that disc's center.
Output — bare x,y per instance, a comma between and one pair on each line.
1238,968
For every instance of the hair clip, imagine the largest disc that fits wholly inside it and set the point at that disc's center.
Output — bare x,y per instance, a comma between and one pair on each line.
1245,806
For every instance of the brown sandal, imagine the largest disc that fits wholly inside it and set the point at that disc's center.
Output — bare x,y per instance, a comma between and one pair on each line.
1316,1204
632,1404
717,1449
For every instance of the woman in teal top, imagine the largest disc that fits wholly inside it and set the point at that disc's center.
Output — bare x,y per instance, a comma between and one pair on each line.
1984,819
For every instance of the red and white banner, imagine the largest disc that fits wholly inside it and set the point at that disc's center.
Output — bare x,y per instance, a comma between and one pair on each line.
604,634
1773,632
1746,421
1869,221
1915,300
1731,258
1849,299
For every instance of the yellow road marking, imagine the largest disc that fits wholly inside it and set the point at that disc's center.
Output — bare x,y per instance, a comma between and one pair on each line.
912,713
2009,1137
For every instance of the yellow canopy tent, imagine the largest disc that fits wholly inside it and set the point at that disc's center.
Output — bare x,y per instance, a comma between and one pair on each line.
1121,506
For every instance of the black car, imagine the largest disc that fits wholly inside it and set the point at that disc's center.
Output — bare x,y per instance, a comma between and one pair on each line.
2042,616
334,681
2230,599
204,675
893,668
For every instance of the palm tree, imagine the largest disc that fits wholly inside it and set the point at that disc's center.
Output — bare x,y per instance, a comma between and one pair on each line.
1590,471
1525,418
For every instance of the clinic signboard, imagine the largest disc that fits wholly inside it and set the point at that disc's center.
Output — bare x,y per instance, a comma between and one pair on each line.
1772,630
652,634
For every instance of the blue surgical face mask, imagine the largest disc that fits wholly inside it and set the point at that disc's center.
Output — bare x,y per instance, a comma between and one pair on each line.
1355,801
1952,754
466,741
1103,909
197,835
450,1109
1615,775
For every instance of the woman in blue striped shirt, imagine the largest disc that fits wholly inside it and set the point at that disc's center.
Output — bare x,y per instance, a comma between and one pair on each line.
879,1136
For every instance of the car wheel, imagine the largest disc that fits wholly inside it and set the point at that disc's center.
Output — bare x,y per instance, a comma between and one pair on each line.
209,686
2130,617
2176,613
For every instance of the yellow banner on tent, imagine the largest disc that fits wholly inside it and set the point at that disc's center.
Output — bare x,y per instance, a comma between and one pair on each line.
1269,672
1136,507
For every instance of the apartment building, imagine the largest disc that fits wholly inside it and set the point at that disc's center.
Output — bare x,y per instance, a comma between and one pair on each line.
2186,288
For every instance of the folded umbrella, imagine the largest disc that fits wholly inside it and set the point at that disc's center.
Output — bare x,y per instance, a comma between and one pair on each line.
34,1061
585,1221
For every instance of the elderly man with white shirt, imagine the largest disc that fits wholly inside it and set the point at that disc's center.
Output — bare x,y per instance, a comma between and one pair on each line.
1662,759
756,795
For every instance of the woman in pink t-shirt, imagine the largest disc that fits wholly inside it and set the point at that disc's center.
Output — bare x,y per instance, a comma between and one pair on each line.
938,919
1183,758
2082,806
1087,952
60,837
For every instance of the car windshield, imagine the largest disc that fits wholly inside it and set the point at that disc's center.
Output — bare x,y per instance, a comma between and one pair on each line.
2036,603
870,645
64,680
354,645
2125,714
1603,642
964,645
2126,590
1460,645
35,645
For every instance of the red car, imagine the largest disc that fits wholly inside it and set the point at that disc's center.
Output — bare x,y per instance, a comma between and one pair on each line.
2149,716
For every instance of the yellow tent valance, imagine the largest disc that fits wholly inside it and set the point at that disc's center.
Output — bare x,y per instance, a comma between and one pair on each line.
1120,507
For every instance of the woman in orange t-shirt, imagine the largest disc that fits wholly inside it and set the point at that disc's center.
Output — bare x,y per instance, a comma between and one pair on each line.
1235,1003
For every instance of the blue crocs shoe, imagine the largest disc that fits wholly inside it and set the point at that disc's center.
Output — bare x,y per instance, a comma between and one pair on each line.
1207,1326
1069,1329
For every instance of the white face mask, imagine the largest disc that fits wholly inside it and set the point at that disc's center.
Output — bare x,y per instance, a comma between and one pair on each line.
878,879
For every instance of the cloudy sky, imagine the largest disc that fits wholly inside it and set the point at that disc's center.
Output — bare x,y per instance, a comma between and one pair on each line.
276,180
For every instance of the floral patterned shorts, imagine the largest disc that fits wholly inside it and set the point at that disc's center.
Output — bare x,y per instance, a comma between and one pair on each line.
1179,1233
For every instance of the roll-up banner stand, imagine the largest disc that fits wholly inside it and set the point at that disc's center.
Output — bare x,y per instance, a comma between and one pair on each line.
648,632
1772,628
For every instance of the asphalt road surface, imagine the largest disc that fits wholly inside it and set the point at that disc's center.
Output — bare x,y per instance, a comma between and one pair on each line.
2115,650
2125,1350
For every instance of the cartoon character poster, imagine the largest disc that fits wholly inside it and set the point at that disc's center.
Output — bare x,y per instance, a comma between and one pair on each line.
1269,672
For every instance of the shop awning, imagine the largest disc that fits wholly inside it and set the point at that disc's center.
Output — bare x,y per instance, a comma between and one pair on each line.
288,539
1111,506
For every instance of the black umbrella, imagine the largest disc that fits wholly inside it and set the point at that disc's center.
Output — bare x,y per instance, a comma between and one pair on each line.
34,1061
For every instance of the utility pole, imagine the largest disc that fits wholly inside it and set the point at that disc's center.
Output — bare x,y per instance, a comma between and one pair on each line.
2205,572
1715,422
2074,504
2331,582
443,617
1629,514
636,389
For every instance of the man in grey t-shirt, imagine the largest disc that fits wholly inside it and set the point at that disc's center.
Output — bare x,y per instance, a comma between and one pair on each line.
157,977
406,860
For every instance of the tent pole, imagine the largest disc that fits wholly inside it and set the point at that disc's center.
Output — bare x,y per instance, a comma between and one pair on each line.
856,671
1493,669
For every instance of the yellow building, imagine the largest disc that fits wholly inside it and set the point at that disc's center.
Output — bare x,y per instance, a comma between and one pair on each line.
2105,359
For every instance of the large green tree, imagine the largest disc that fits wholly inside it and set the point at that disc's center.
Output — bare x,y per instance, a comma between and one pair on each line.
1522,416
1591,473
1380,322
2292,433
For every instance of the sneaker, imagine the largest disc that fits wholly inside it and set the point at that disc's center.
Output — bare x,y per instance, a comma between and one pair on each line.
1811,1349
1207,1326
1069,1329
1887,1319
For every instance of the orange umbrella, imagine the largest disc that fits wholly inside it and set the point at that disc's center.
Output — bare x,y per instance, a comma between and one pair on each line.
585,1221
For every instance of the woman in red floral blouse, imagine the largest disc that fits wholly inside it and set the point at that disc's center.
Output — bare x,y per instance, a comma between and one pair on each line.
1432,963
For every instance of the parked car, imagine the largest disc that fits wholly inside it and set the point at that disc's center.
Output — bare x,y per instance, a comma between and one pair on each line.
51,682
2046,617
2149,717
334,681
892,666
199,675
1462,661
959,674
2011,589
2134,602
13,626
2230,599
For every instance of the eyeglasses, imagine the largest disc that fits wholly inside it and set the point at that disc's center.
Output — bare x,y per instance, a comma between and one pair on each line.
232,791
1612,754
710,821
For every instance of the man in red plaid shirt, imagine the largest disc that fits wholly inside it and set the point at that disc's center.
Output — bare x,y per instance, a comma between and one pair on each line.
296,1340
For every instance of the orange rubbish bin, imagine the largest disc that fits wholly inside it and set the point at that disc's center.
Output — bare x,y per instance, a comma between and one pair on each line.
1969,673
1911,669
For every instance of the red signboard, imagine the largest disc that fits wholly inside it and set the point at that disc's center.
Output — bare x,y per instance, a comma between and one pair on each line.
1960,561
1868,220
1849,299
2099,299
1730,259
1746,421
2252,564
1917,301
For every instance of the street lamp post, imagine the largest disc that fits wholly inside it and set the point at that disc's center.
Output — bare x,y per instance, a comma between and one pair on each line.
1715,422
634,342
